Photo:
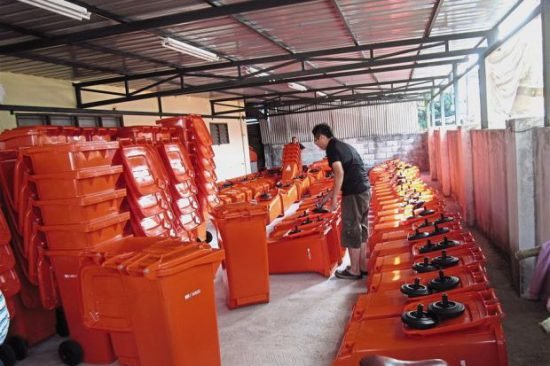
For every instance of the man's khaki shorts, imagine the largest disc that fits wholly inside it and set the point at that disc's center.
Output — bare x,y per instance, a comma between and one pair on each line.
355,211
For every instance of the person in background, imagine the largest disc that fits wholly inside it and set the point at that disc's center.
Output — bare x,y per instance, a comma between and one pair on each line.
294,140
350,177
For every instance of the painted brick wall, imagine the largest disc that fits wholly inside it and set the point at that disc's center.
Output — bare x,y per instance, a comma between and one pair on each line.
412,148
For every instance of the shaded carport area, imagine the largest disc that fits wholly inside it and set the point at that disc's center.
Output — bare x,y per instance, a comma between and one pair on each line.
275,60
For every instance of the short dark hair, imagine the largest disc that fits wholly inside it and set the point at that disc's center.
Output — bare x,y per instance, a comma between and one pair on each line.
322,129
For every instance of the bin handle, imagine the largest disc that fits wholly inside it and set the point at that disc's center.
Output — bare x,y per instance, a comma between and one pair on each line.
149,270
211,258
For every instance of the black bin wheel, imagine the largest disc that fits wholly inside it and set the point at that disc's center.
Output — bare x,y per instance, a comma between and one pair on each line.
20,347
209,237
7,355
71,353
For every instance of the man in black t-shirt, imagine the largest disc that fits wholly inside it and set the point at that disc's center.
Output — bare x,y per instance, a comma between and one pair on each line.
350,177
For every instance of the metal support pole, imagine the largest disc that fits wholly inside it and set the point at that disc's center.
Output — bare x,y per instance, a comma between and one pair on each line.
159,100
456,92
483,94
432,107
442,107
545,14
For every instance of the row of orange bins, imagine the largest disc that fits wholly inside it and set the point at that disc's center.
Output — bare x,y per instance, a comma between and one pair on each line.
306,241
428,294
270,190
68,213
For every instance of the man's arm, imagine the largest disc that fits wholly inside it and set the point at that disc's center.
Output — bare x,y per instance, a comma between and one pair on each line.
338,170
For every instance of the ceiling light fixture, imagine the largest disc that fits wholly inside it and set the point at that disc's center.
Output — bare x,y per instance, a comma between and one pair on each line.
256,72
297,86
189,50
62,7
320,93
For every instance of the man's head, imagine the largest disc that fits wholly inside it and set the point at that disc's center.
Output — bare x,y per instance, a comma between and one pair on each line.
322,133
294,140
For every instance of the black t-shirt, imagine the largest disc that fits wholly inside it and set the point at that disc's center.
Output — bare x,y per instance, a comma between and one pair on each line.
355,175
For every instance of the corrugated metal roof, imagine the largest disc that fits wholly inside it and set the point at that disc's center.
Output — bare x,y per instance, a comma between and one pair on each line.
297,28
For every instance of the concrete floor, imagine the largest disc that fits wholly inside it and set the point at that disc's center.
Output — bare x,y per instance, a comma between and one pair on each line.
305,319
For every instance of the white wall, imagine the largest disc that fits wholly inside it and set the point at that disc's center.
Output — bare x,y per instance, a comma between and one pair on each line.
232,160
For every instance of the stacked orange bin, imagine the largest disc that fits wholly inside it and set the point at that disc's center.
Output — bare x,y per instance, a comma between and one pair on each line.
148,196
80,179
172,283
428,289
291,166
181,181
243,237
9,280
201,153
33,317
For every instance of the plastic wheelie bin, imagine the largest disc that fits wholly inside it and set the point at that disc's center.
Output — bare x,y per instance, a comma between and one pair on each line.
158,304
243,237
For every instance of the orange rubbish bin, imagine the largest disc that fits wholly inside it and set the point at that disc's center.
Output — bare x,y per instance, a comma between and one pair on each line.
158,304
243,234
91,345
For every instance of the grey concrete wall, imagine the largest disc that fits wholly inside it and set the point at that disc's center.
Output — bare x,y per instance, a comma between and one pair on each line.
412,148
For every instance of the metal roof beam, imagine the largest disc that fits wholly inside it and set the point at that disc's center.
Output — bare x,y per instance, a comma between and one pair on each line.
139,25
317,108
110,112
278,79
349,97
429,26
362,85
297,57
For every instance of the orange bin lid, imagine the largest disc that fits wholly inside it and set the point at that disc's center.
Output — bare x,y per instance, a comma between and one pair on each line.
237,210
165,258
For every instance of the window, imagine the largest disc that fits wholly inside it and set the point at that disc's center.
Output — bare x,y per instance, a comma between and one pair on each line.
220,133
27,119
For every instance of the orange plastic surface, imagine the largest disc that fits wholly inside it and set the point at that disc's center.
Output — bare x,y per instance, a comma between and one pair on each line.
142,169
307,251
394,262
30,136
243,233
78,183
392,280
83,208
87,234
96,344
173,284
475,338
34,325
198,130
69,157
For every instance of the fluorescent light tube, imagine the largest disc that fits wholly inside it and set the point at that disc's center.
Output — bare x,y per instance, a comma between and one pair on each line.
320,93
253,70
189,50
297,86
61,7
